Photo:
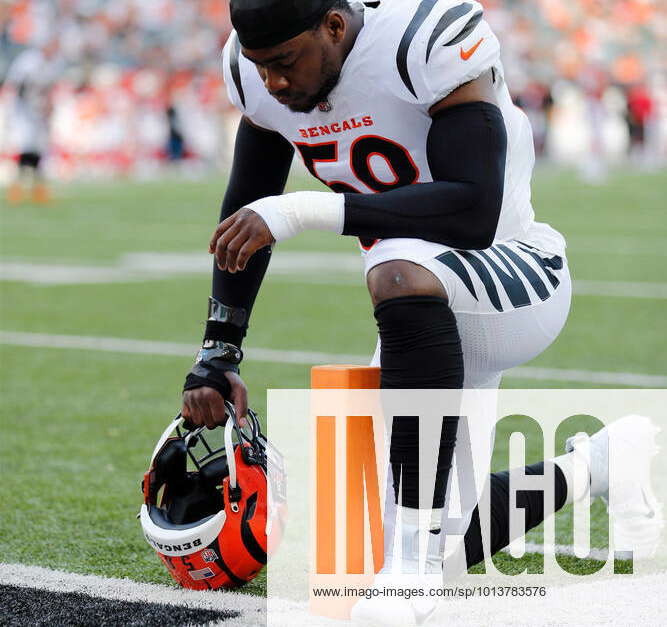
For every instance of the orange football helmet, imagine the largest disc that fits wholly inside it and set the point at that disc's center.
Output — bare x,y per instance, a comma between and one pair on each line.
212,525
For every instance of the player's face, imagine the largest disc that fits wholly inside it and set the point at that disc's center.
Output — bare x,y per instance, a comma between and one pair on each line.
300,72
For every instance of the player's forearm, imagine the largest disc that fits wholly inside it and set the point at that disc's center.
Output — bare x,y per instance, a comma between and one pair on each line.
456,214
466,149
260,168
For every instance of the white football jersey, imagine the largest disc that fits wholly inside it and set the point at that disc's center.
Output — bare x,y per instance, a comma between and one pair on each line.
370,136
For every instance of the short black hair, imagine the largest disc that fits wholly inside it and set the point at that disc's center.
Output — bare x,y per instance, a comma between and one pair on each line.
341,5
338,5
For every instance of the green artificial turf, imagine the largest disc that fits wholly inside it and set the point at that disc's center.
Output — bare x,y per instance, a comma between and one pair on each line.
78,426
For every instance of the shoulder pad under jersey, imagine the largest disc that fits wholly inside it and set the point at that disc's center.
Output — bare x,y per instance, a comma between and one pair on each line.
244,87
445,44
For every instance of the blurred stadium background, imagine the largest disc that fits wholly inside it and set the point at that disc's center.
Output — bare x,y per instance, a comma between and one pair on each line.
103,290
134,84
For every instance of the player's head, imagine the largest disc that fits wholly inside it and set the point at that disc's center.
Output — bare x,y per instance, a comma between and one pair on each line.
298,46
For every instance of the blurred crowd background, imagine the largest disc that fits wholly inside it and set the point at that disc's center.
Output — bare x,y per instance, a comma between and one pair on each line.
132,87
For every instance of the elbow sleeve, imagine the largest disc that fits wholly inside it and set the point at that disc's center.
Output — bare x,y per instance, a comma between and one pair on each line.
466,152
467,143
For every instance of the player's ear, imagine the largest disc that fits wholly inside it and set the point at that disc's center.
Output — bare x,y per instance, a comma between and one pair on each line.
335,26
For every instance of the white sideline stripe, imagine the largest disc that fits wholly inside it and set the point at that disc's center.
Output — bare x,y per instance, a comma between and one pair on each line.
564,549
588,376
622,289
175,349
128,590
160,266
612,246
269,355
297,267
636,599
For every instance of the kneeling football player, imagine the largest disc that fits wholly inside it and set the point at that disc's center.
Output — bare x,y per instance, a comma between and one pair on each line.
402,110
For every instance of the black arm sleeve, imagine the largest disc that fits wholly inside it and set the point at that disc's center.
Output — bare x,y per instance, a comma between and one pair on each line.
466,150
262,161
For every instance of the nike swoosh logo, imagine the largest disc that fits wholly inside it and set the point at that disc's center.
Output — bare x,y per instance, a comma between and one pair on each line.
466,54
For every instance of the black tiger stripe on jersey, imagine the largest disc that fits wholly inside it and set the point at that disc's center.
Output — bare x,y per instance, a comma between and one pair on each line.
547,264
514,287
537,283
512,281
485,276
467,29
423,11
452,260
445,22
234,57
539,287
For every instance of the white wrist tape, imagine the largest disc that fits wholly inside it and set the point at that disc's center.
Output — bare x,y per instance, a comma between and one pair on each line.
290,214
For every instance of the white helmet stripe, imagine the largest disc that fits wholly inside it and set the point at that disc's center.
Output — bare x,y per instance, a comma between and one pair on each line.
229,451
180,542
165,436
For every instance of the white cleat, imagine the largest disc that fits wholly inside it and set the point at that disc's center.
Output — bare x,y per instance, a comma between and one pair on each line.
398,603
620,473
404,598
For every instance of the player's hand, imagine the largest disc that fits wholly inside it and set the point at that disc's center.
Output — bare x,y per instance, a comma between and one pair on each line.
237,238
206,407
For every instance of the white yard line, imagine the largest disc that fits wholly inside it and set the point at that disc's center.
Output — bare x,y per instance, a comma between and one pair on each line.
615,601
159,266
589,376
621,289
564,549
128,590
294,267
269,355
614,245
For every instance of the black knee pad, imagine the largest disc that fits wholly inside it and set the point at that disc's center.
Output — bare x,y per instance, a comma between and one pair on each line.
420,341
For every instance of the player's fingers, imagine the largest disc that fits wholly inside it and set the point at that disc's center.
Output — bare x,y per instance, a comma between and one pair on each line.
240,398
202,411
247,250
220,230
194,415
185,409
209,417
222,251
217,408
233,249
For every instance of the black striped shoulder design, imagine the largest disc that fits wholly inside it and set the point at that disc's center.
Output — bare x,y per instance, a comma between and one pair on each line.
450,16
467,29
423,11
234,58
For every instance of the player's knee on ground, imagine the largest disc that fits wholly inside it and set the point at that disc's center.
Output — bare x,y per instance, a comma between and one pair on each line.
395,279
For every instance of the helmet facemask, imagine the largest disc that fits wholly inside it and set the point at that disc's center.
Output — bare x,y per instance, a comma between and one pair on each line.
206,502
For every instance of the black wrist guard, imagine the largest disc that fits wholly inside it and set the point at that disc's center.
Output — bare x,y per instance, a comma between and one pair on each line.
220,352
211,374
225,324
214,350
220,384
